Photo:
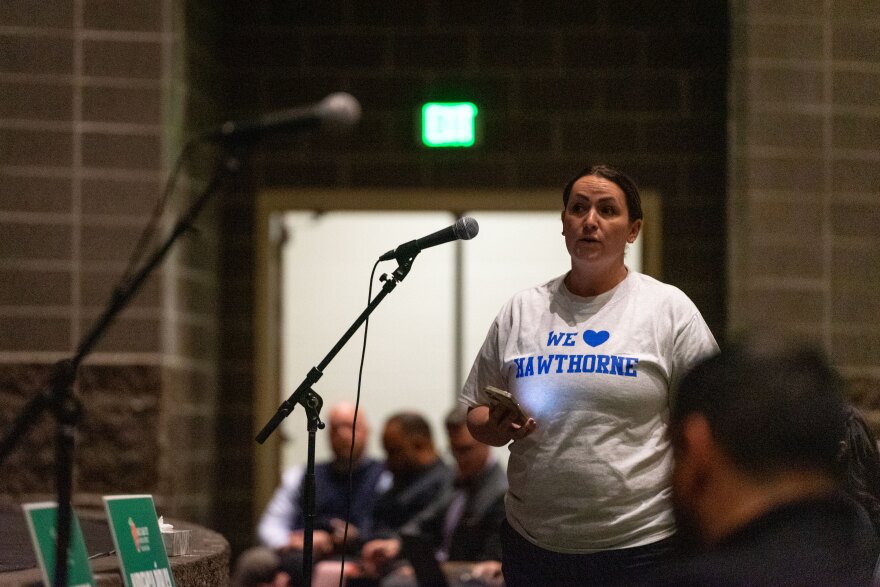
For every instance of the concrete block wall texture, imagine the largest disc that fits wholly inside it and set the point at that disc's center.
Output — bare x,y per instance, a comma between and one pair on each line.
804,201
93,110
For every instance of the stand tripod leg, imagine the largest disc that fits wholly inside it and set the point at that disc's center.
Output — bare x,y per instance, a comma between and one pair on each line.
312,404
67,413
64,457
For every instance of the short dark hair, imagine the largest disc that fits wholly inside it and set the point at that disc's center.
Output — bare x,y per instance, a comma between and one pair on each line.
772,407
621,180
860,459
411,424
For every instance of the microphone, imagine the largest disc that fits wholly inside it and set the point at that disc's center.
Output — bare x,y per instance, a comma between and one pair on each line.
338,111
464,228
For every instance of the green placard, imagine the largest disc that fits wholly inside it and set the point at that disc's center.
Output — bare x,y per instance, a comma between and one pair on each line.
42,521
135,529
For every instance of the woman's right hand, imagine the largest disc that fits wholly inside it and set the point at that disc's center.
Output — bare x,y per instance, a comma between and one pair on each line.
496,425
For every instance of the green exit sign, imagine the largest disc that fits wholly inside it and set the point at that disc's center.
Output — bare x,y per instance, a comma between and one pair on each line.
449,124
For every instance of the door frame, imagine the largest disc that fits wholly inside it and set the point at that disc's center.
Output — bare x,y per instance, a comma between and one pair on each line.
270,203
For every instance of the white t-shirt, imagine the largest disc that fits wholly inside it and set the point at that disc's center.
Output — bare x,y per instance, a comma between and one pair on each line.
595,373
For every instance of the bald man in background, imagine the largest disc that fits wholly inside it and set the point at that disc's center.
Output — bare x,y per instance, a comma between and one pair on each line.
281,525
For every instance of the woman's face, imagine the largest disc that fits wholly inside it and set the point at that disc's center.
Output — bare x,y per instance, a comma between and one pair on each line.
596,223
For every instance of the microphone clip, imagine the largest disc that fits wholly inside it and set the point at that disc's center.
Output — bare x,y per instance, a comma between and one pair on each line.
404,264
405,251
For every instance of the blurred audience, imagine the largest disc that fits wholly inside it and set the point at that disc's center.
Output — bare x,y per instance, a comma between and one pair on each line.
419,474
464,523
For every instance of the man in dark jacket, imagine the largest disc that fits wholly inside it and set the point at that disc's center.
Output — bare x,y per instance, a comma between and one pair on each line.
757,433
464,522
419,474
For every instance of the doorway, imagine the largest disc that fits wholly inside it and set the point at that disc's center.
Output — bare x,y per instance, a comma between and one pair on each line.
424,335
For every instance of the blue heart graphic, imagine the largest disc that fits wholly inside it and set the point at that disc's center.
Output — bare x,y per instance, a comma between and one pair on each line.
593,338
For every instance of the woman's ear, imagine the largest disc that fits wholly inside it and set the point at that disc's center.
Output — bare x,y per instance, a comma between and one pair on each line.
634,229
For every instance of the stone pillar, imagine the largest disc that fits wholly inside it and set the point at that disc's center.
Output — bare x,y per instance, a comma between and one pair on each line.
93,108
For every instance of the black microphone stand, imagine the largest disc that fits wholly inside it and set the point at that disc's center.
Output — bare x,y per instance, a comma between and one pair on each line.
59,398
312,402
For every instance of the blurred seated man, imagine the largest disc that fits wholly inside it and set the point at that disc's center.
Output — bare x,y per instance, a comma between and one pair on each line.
419,474
464,523
756,434
281,526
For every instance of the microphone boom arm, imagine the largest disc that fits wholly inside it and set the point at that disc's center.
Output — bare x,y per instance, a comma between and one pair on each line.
301,393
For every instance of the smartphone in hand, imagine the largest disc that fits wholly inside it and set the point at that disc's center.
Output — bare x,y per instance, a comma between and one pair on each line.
505,399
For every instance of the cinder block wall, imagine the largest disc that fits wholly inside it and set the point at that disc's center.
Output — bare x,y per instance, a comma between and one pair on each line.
94,103
804,199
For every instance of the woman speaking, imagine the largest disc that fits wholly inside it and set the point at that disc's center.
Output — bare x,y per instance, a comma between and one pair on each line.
590,356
